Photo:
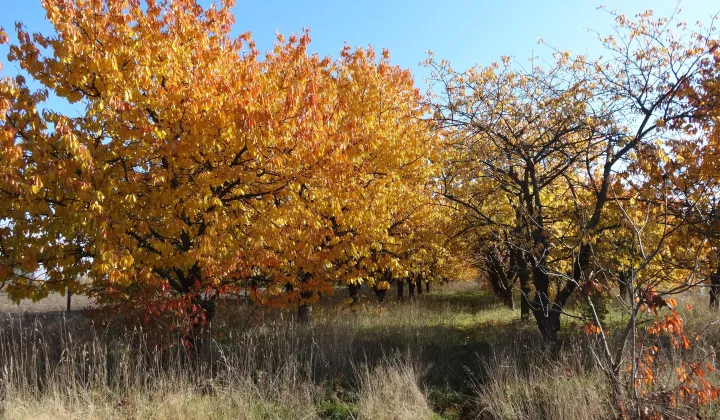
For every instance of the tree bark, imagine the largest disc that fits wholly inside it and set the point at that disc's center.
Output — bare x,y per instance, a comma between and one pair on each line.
253,286
411,288
427,286
380,294
304,308
623,285
354,292
400,290
501,284
541,279
419,283
524,291
715,289
541,303
517,261
582,262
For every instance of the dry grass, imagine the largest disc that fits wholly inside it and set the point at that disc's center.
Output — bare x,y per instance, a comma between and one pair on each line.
342,366
564,389
452,354
54,302
270,372
392,391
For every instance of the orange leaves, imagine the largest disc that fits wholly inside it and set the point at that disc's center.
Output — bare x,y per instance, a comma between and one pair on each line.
197,165
653,301
592,329
690,374
589,287
671,325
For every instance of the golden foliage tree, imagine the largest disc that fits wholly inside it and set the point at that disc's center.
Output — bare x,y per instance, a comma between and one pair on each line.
195,164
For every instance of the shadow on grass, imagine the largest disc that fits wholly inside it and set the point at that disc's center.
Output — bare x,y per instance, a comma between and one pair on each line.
466,301
450,336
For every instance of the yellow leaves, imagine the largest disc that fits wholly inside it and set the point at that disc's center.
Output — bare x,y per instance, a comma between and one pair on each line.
126,262
353,252
96,207
114,276
358,281
192,154
37,184
215,202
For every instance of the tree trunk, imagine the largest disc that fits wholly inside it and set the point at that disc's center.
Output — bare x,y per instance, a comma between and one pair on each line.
581,264
499,280
427,286
304,308
715,289
509,300
253,286
411,288
617,397
518,261
525,302
200,313
380,294
418,282
354,292
547,318
624,286
400,290
541,303
69,301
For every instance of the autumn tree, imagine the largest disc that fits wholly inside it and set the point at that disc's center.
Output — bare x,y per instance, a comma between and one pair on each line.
346,223
617,189
539,149
643,89
195,164
517,135
701,186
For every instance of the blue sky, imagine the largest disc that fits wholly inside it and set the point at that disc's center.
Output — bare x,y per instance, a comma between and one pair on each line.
463,31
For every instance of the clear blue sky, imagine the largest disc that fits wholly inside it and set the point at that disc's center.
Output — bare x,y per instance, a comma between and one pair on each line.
463,31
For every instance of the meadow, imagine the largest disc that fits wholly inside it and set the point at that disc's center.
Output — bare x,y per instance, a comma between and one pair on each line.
455,353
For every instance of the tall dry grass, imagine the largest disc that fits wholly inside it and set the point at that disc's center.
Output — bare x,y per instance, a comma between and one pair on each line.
451,355
562,386
278,369
391,391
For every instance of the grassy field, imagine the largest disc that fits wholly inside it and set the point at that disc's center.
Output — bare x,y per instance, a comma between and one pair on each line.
453,354
54,303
